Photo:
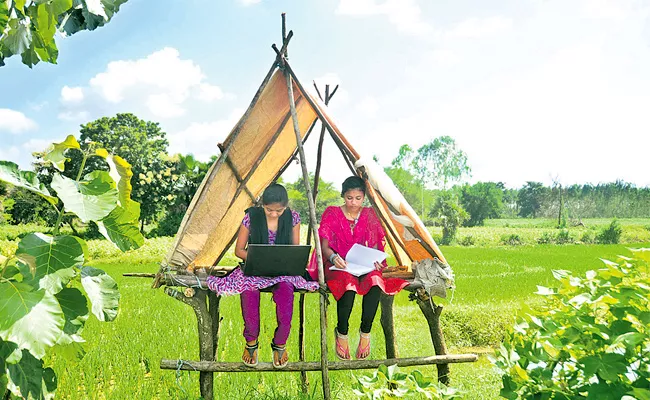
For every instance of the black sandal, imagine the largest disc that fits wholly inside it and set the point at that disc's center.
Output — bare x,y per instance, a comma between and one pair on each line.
280,350
251,349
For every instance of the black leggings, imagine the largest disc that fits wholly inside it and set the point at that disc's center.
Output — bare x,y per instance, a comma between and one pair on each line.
368,311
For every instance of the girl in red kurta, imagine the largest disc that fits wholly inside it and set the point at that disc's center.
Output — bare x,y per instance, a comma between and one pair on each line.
340,228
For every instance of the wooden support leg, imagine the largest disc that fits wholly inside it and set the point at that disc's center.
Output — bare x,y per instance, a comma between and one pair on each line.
199,304
432,314
304,382
388,325
213,308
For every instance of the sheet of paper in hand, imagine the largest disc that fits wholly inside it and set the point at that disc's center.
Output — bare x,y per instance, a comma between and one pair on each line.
361,260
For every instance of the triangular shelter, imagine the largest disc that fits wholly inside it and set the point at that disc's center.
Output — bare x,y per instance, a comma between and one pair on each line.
255,153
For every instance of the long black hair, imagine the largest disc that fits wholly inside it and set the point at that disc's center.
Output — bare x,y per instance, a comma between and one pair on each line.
275,193
353,183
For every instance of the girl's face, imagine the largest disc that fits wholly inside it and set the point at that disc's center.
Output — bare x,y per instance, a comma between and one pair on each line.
353,199
274,210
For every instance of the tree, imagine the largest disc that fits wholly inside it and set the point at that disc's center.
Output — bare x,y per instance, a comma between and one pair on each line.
327,196
450,215
482,200
144,145
530,199
27,27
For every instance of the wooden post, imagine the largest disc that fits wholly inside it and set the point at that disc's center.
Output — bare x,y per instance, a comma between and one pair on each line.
213,308
432,314
204,321
319,253
387,324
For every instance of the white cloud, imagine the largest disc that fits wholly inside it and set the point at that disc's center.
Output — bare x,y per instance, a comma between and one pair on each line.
473,28
10,153
164,105
207,92
38,106
605,9
247,3
72,94
201,138
445,58
368,106
406,15
74,116
15,122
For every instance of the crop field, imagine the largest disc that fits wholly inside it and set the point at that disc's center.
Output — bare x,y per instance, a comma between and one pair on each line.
494,282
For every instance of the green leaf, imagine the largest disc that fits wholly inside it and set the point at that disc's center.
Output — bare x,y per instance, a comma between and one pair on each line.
95,7
40,328
6,348
30,57
52,259
55,153
31,380
71,347
4,16
91,199
75,309
641,394
121,173
19,36
102,291
58,7
608,366
630,339
10,173
121,227
16,301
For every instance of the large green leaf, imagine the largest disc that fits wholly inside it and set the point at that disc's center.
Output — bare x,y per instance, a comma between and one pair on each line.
40,328
19,37
121,227
10,173
16,301
52,259
75,309
91,199
55,153
121,172
58,7
4,16
6,348
29,380
102,291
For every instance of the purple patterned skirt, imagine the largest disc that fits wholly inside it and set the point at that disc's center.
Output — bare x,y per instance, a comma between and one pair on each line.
237,282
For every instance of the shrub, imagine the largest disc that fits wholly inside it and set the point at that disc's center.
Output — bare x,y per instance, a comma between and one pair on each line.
450,215
546,238
389,383
587,237
168,226
467,241
563,237
589,340
611,234
511,240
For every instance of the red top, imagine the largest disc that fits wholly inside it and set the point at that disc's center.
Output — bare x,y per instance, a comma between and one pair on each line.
340,235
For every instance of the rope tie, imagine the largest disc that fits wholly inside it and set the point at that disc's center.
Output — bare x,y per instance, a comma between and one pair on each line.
179,365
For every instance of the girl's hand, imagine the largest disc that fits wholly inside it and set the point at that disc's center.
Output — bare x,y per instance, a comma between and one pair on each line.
339,262
378,266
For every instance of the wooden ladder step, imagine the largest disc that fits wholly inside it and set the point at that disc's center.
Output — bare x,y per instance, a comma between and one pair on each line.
217,366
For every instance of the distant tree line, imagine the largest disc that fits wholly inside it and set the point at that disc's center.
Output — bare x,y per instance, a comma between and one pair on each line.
165,185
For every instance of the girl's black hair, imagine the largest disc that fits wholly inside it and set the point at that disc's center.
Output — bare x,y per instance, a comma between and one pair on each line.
275,193
353,183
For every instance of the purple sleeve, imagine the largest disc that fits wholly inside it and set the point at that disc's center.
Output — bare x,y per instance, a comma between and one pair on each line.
295,218
246,221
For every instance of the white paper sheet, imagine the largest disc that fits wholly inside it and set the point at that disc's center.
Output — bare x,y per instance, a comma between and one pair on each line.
361,260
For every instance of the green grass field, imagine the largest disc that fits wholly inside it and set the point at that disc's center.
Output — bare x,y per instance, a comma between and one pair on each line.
122,360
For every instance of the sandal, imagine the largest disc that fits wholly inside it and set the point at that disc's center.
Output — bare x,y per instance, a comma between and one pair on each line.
342,353
363,353
252,354
280,351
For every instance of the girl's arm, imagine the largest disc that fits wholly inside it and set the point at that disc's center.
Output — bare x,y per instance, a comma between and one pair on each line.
242,241
338,261
296,234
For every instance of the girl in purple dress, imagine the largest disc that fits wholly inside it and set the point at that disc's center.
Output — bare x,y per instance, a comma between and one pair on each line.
273,223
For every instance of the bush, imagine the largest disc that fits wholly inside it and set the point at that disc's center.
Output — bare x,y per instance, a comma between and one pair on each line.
389,383
587,237
611,234
511,240
546,238
450,215
467,241
168,226
563,237
590,339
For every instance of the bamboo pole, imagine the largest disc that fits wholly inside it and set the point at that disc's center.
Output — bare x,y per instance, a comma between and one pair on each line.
388,325
213,366
319,253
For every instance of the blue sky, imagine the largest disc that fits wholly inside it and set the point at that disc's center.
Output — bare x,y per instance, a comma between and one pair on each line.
530,89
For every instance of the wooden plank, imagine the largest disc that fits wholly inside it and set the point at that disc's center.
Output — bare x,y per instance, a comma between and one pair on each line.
213,366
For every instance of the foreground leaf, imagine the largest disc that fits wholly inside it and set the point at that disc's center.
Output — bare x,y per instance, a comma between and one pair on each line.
10,173
121,227
102,292
40,328
30,380
91,199
16,301
52,259
56,152
75,309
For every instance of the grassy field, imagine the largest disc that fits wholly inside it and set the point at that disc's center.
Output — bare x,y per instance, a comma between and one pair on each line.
493,283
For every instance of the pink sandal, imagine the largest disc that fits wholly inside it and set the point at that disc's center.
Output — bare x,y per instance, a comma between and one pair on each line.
365,350
342,353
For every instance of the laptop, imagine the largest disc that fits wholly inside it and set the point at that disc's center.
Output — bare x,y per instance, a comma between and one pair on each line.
276,260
